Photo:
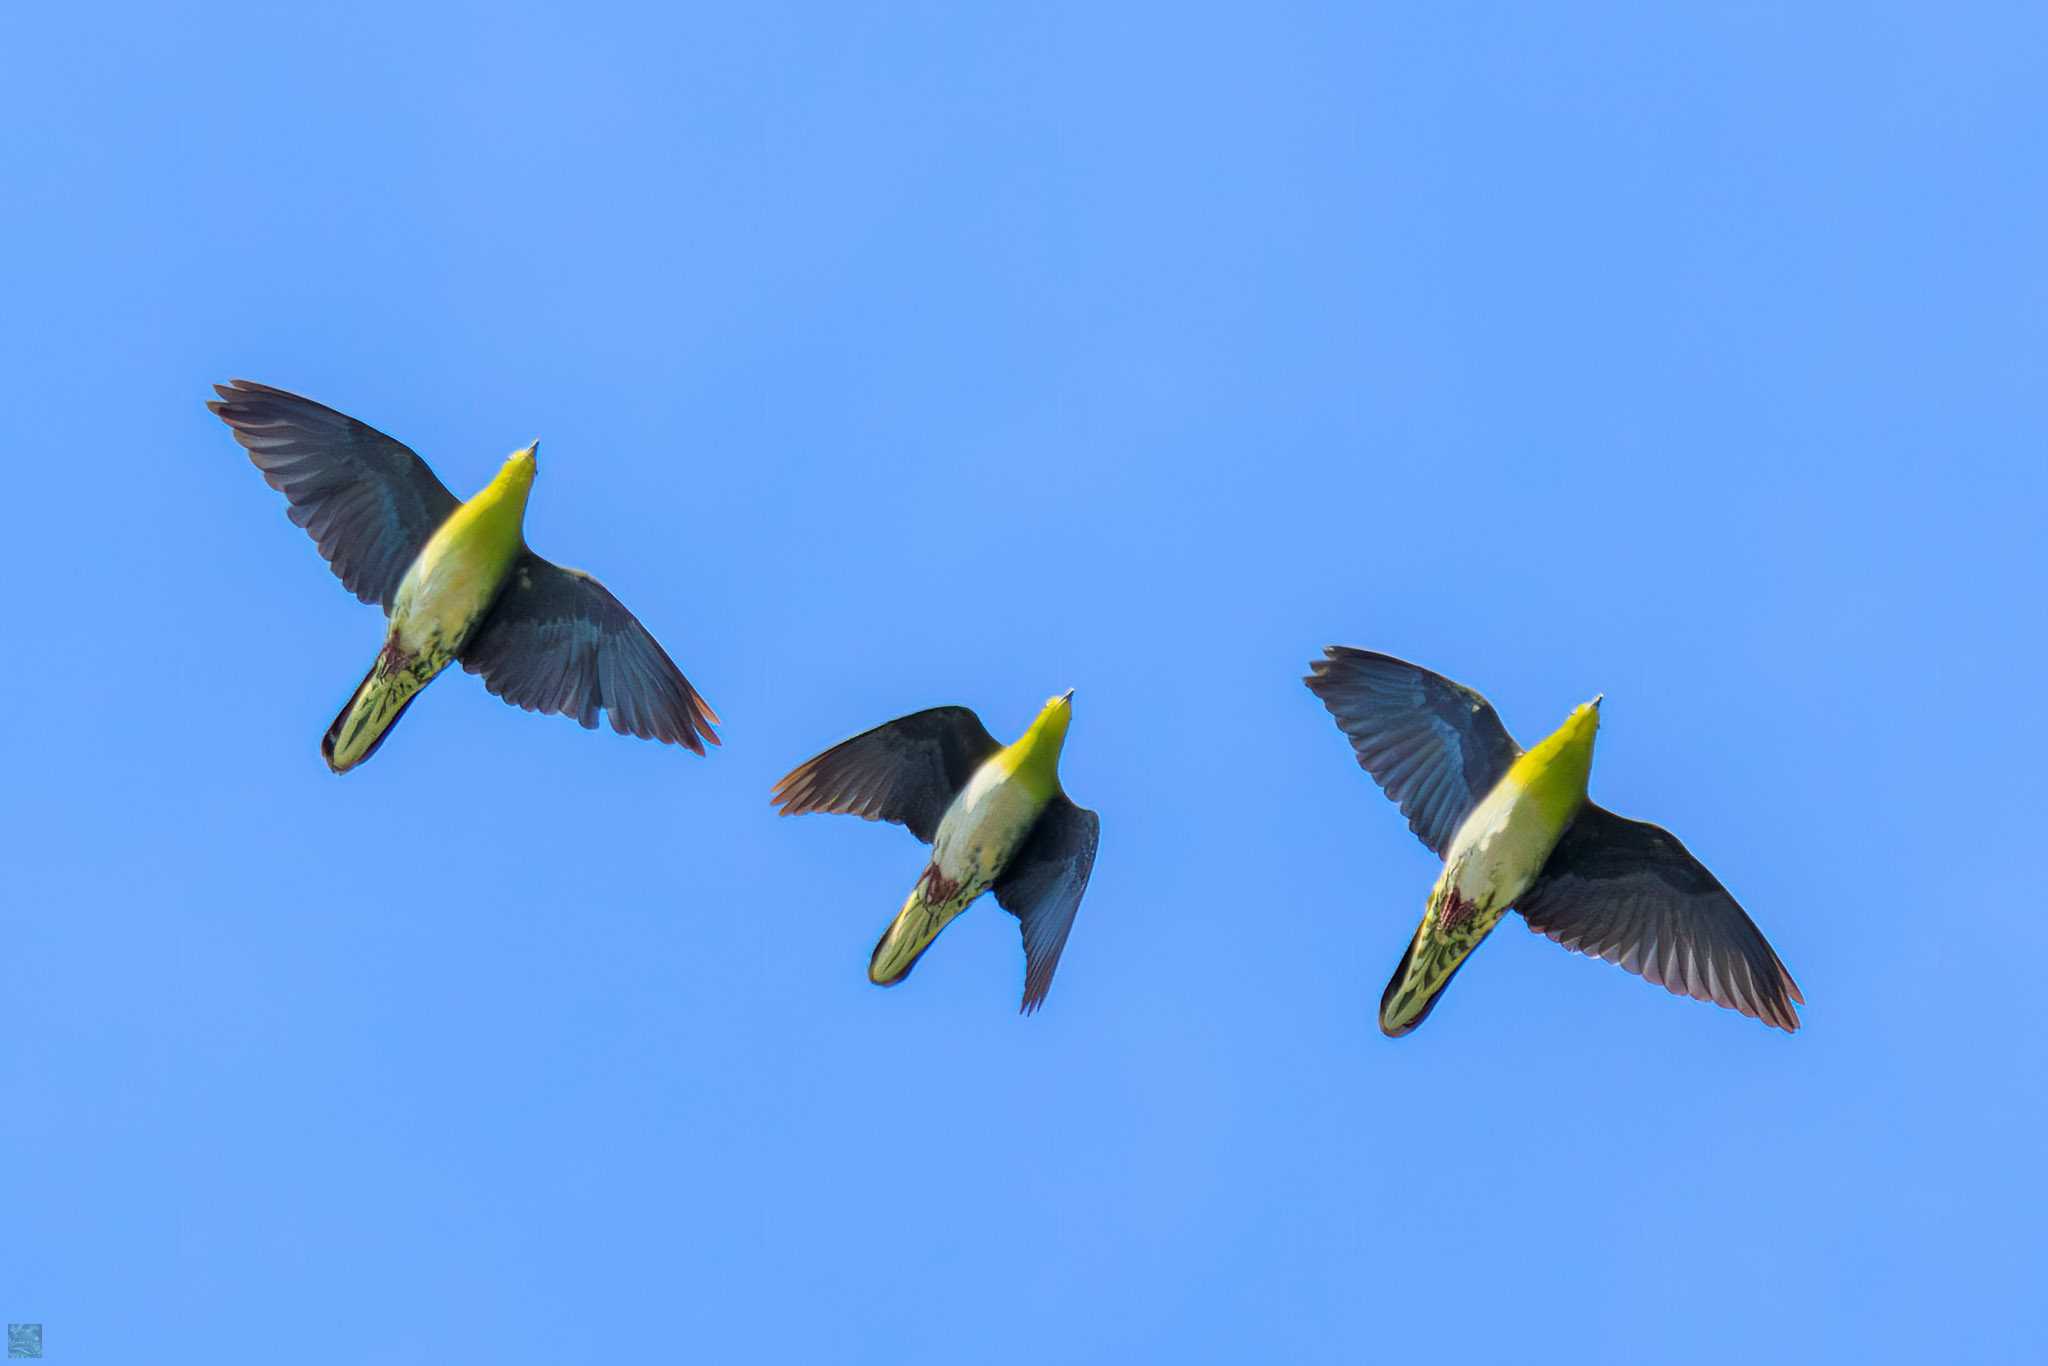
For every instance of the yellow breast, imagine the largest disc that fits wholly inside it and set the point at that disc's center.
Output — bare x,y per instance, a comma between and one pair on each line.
459,571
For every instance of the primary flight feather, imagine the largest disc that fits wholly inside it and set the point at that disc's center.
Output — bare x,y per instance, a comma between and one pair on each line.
456,581
1515,829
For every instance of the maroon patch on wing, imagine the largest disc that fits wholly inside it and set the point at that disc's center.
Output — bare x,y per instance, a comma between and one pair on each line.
937,886
1456,911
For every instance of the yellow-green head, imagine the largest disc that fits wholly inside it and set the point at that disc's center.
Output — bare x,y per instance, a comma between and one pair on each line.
484,534
520,467
505,496
1556,770
1035,758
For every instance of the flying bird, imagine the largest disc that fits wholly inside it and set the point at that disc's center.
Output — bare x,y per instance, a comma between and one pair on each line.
457,582
1514,829
995,816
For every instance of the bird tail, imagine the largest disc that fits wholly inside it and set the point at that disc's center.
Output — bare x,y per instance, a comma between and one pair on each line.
1407,1002
929,908
380,699
1451,928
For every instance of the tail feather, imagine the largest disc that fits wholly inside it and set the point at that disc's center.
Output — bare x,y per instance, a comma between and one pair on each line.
1451,928
379,700
1398,1015
929,908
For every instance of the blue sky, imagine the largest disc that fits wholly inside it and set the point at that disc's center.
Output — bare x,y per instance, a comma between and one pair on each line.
890,356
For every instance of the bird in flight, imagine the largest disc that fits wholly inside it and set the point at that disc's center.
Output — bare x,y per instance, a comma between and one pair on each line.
995,816
1514,829
456,581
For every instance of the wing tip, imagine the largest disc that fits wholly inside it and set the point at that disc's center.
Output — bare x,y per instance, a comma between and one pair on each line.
1773,1011
1319,669
1037,986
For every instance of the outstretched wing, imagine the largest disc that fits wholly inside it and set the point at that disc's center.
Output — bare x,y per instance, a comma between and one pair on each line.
558,641
1629,892
367,501
1434,746
907,771
1042,887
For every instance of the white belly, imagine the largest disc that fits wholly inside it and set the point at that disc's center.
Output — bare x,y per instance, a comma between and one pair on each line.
984,827
1500,848
440,599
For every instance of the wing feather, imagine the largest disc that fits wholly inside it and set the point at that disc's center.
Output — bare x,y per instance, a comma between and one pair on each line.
1434,746
367,501
1042,887
1629,892
906,771
557,641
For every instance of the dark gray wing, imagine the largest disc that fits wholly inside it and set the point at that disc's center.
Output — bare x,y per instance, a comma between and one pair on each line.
367,501
1629,892
1042,887
1432,745
907,771
557,641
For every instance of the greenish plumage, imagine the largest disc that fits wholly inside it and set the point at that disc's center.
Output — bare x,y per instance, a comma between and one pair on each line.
456,581
995,816
1516,831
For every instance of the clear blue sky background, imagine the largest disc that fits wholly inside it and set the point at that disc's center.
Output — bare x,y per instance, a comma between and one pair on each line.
889,356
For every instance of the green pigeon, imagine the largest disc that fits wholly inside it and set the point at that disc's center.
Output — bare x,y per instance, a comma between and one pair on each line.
1514,829
994,814
456,581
